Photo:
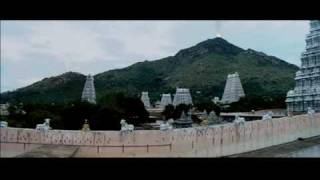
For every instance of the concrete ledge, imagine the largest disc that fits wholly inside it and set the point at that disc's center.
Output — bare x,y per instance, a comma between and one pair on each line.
48,151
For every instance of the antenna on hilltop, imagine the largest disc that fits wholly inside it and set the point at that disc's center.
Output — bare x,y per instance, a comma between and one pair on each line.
217,25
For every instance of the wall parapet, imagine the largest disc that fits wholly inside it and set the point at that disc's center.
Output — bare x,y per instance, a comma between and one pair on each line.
213,141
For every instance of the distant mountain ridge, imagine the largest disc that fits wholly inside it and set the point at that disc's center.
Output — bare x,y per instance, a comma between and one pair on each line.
203,67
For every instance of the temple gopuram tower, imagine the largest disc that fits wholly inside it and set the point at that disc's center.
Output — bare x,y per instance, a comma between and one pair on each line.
233,90
307,81
89,92
165,100
145,99
182,96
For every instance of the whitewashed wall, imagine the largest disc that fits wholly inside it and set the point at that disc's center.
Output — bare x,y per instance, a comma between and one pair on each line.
215,141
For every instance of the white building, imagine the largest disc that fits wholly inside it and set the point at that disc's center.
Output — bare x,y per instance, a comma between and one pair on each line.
165,100
89,92
233,90
307,88
182,96
145,99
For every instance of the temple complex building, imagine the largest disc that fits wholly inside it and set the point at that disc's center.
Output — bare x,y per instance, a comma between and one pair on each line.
165,100
182,96
307,81
145,99
233,90
89,92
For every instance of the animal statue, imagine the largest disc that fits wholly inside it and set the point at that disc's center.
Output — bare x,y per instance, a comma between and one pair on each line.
311,111
125,126
170,121
166,126
45,126
3,124
239,119
267,116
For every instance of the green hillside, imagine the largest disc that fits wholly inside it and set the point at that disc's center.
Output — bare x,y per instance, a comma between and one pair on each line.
203,67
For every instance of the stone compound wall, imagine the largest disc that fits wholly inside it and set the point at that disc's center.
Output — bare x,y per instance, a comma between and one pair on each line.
215,141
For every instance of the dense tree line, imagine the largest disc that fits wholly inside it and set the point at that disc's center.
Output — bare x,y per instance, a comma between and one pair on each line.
105,115
249,103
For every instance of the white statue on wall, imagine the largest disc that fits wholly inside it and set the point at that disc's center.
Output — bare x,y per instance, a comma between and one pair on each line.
166,125
125,126
239,119
45,126
3,124
311,111
267,116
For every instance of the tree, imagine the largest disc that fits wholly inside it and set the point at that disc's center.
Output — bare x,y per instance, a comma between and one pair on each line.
208,106
106,119
73,116
178,110
168,111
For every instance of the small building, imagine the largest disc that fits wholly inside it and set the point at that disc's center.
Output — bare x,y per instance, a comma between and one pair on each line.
253,115
184,121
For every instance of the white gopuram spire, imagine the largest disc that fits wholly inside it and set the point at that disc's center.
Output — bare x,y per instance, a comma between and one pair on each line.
145,99
306,93
89,92
233,90
165,100
182,96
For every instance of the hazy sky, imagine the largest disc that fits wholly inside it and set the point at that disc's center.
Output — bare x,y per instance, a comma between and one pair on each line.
33,50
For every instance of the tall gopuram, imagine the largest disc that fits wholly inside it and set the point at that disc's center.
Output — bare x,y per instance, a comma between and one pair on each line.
307,81
145,99
165,100
182,96
233,90
89,92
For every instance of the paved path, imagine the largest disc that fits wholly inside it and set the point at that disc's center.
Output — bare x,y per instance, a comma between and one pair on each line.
51,151
301,148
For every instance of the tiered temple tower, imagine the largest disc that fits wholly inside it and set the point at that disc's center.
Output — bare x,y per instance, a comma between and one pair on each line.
233,90
145,99
307,89
182,96
89,92
165,100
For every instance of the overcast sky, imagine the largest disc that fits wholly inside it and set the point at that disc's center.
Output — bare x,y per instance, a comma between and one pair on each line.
33,50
